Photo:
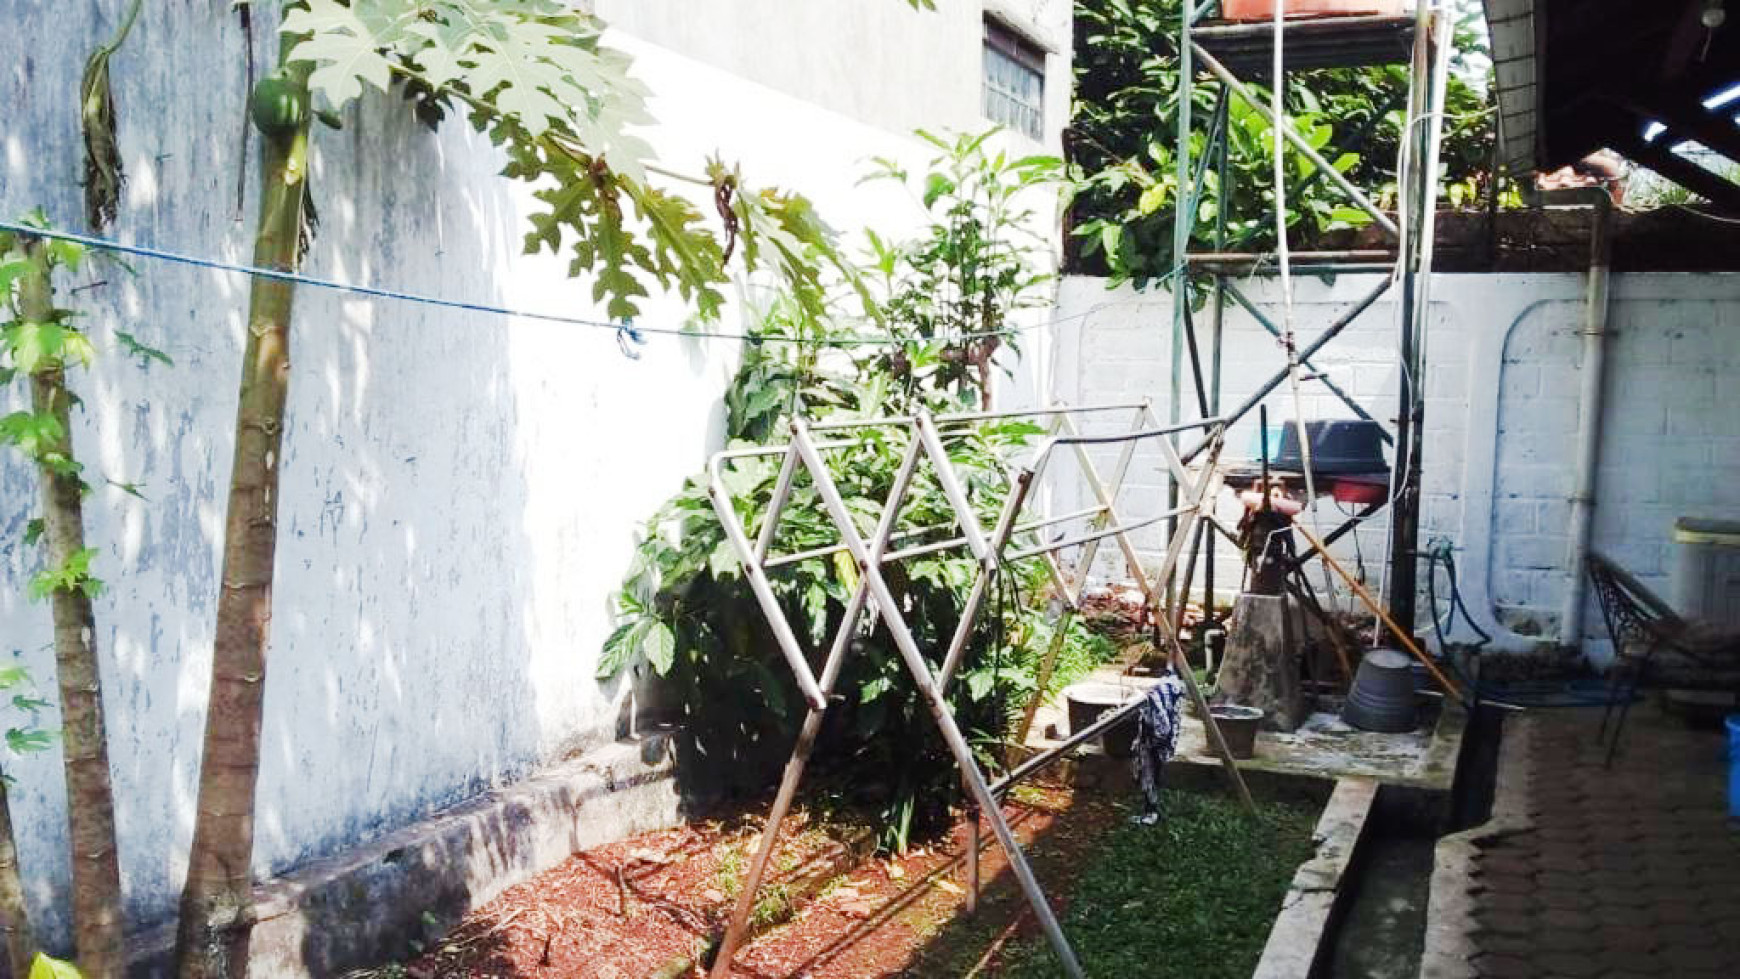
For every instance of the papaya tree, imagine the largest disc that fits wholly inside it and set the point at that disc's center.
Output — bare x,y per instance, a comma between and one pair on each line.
533,76
25,736
40,343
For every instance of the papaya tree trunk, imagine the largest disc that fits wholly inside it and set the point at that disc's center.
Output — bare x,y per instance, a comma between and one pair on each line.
14,915
216,904
96,870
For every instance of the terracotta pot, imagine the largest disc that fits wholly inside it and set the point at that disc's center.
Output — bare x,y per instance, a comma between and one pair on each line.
1265,9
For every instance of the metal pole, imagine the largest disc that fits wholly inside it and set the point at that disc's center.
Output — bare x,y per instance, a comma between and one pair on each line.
889,609
1223,165
988,571
781,494
951,486
1104,498
738,924
1347,399
974,834
1084,564
1292,136
1060,631
1207,487
1183,219
1334,330
1404,530
770,607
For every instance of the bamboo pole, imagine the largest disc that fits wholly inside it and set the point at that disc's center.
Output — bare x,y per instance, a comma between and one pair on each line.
1384,617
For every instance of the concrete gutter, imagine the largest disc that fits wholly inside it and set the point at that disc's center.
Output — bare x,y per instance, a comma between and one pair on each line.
1301,933
1450,909
369,904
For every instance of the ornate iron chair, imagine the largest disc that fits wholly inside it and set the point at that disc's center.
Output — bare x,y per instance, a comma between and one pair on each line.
1643,626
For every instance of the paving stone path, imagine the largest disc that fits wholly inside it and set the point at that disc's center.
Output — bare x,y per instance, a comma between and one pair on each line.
1587,872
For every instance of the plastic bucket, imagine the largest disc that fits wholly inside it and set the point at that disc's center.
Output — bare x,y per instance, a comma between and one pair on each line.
1734,767
1382,696
1238,727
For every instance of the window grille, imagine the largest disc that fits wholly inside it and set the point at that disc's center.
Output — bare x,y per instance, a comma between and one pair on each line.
1014,80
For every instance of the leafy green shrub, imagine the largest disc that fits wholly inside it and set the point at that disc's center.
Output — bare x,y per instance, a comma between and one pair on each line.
685,609
1123,143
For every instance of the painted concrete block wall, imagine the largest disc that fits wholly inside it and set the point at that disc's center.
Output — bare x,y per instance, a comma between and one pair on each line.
1501,419
460,492
1122,351
880,62
1668,444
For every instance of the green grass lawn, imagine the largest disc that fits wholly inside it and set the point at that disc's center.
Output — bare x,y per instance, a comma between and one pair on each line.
1194,896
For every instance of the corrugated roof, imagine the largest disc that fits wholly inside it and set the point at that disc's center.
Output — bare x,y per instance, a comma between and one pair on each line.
1576,76
1512,27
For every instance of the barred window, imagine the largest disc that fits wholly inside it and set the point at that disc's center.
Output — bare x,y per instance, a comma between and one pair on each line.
1014,80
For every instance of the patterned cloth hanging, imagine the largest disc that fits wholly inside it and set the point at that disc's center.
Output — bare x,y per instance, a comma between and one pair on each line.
1157,727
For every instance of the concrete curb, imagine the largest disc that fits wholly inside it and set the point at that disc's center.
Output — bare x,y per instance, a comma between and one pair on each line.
1450,908
1297,937
412,885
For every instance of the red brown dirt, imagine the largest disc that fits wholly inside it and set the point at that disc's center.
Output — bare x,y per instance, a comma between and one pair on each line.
626,910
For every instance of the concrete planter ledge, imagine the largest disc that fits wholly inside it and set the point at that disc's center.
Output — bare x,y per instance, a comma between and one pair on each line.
369,904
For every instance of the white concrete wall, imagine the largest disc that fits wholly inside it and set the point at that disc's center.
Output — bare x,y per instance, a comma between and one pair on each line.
460,491
1501,415
879,61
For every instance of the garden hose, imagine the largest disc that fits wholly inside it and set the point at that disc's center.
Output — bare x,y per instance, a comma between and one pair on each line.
1513,696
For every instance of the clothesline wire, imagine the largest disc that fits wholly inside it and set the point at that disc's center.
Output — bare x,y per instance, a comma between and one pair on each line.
625,326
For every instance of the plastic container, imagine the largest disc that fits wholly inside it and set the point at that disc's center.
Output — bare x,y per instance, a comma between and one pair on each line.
1238,727
1359,490
1273,436
1338,447
1382,697
1265,9
1706,576
1734,767
1089,700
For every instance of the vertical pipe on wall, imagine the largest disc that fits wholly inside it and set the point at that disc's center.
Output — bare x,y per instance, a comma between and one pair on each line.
1589,405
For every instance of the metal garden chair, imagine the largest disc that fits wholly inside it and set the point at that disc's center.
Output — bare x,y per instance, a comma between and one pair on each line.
1643,629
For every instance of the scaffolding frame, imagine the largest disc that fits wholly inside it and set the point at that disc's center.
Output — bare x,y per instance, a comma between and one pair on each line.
1219,48
993,550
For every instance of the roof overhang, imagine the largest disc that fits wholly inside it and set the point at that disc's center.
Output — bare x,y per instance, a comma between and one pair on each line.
1574,77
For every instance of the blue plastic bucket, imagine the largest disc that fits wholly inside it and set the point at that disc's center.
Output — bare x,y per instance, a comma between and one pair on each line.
1734,766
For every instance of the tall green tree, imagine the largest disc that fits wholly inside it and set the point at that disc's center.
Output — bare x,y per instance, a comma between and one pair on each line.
40,343
1122,142
562,107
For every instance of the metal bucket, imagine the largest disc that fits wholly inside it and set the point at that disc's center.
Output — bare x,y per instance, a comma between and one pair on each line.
1382,698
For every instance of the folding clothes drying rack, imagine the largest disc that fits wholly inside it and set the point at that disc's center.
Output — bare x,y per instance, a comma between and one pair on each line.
926,439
